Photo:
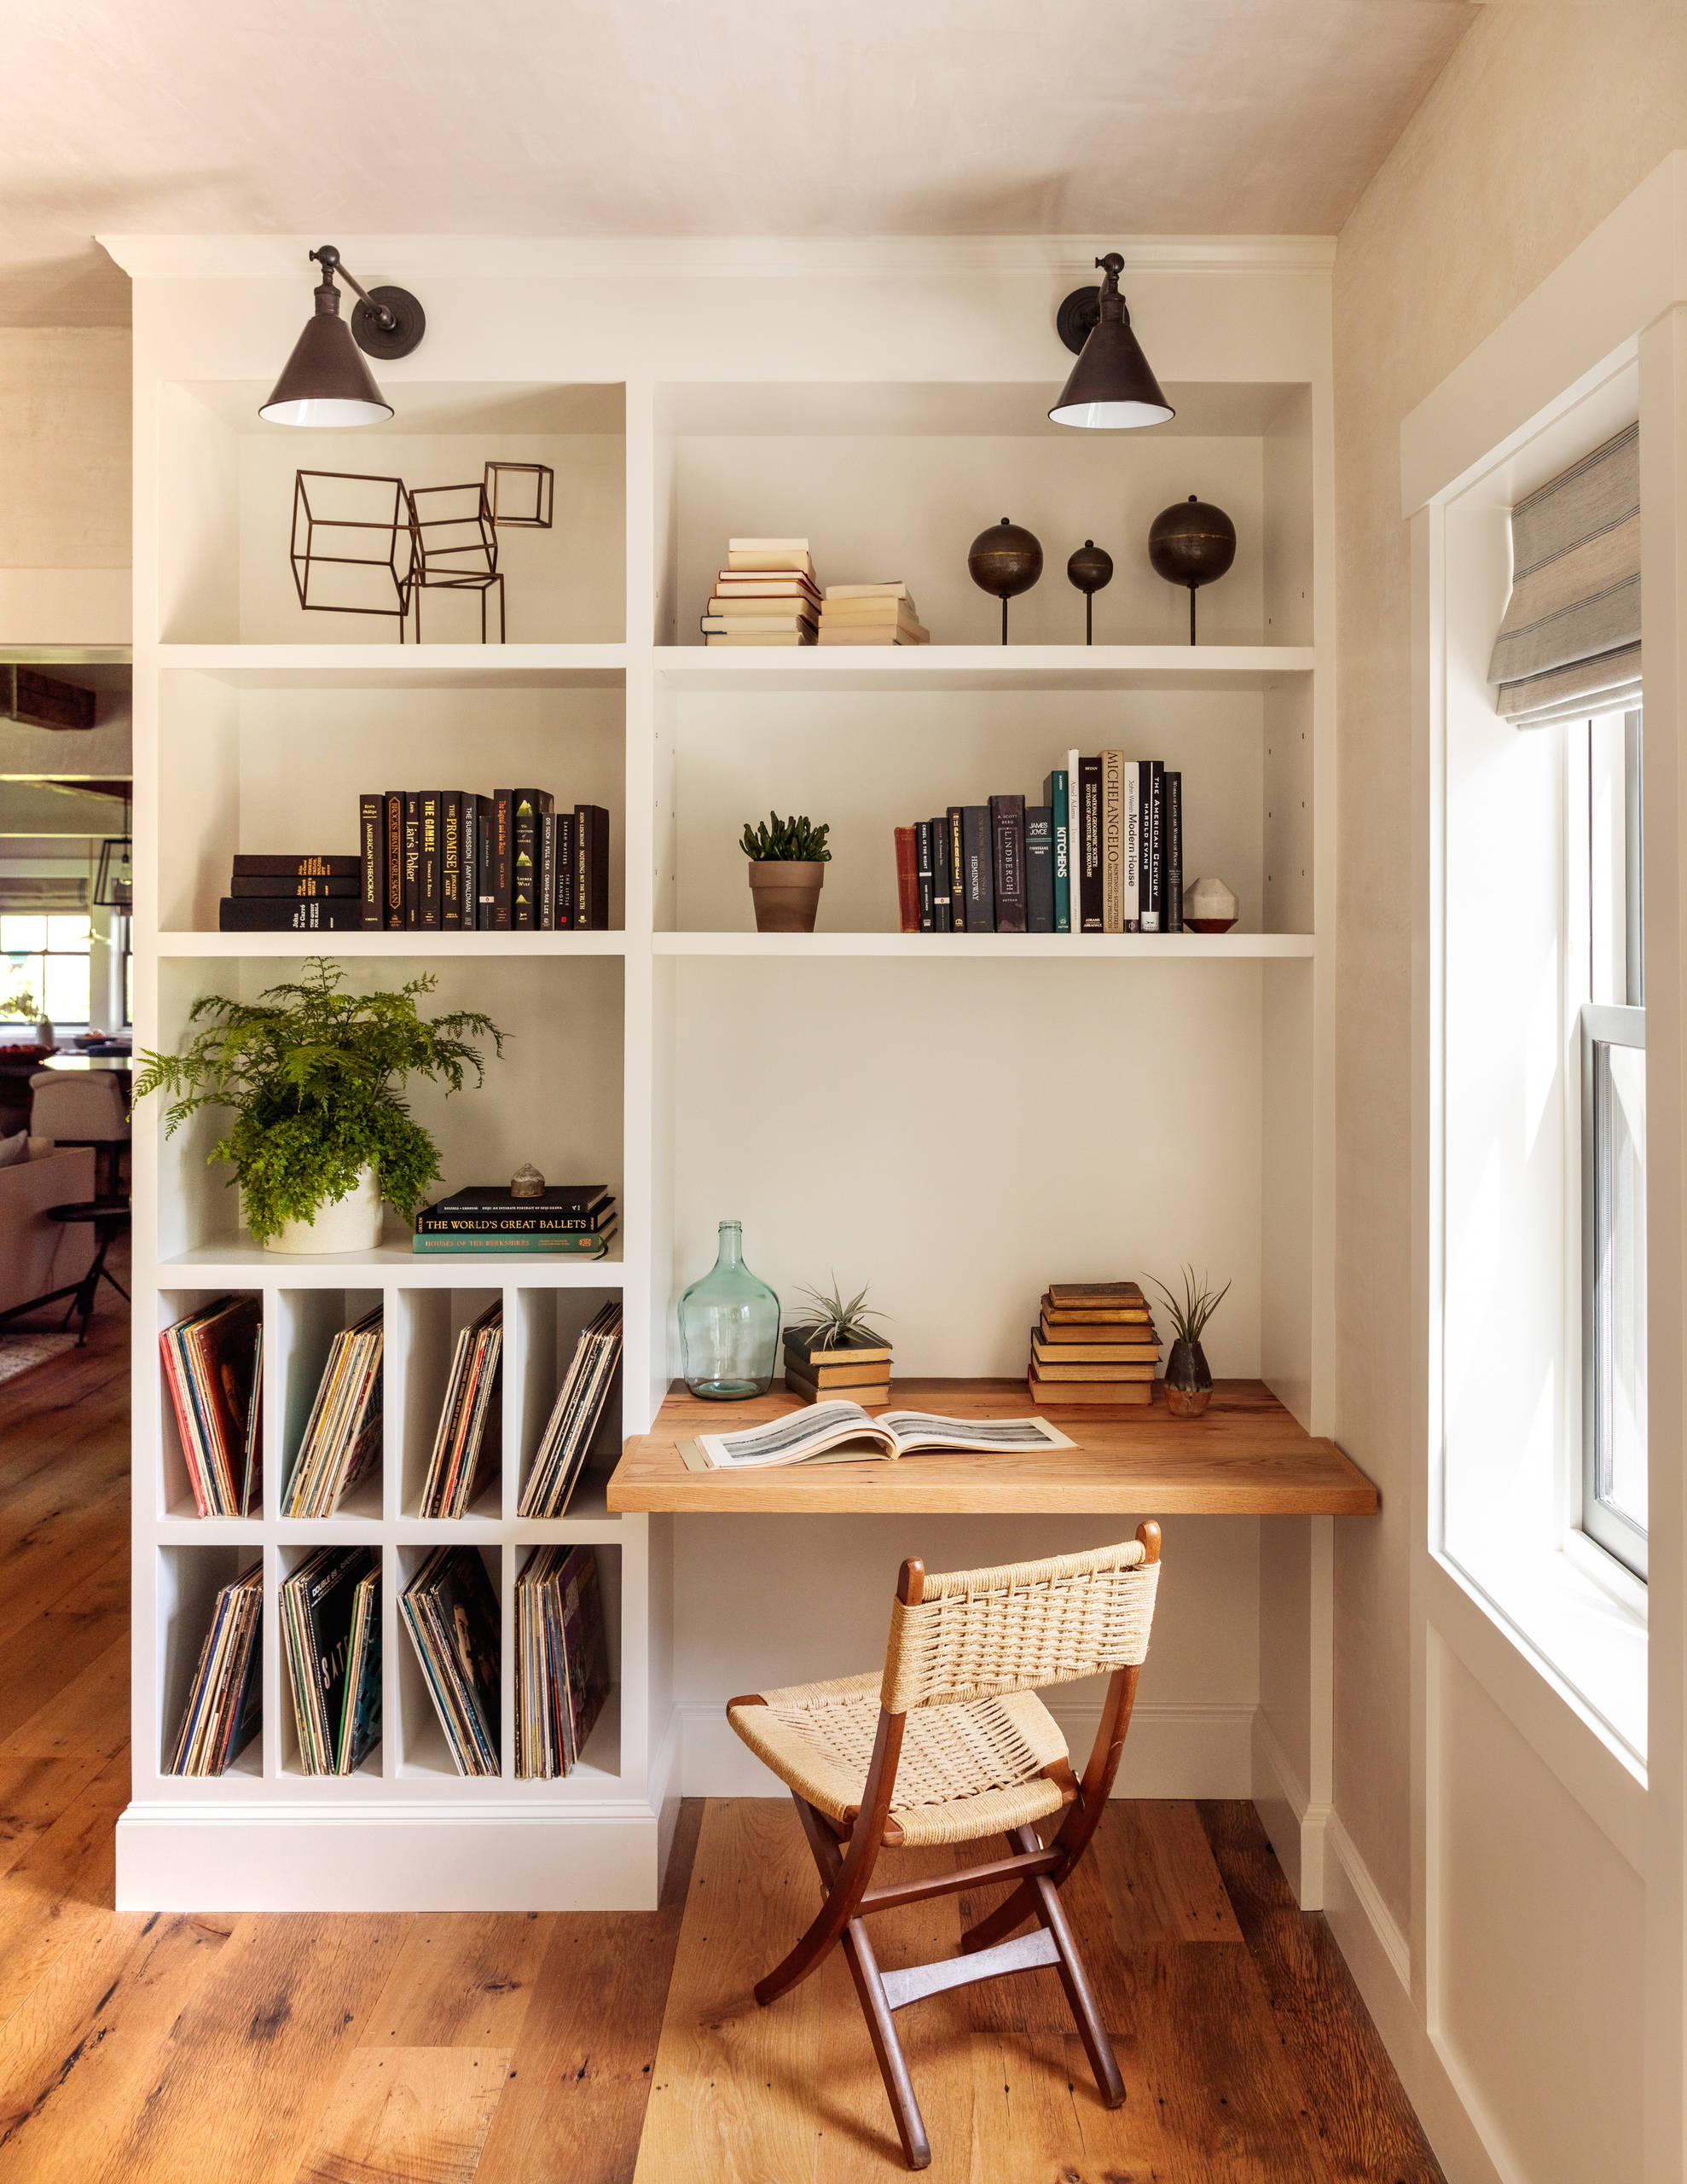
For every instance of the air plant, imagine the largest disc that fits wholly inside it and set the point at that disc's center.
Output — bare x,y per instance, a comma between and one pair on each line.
836,1325
1199,1301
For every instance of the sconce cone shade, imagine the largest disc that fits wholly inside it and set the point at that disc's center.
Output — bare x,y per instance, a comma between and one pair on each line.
326,381
1111,388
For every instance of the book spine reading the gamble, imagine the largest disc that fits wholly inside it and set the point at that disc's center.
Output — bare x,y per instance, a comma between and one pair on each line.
252,888
371,863
926,921
907,879
1007,843
1133,845
1112,841
429,895
1089,845
979,852
957,824
1060,837
412,860
297,868
392,907
1153,846
546,905
241,914
1171,913
591,874
1038,868
484,900
528,805
503,854
450,860
942,886
566,831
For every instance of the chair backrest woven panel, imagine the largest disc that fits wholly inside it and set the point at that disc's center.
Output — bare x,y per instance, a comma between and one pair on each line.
978,1634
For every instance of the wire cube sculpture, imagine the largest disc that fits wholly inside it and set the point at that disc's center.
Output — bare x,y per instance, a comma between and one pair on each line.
521,495
353,544
456,546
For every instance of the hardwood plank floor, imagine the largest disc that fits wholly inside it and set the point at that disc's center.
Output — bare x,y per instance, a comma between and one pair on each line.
514,2049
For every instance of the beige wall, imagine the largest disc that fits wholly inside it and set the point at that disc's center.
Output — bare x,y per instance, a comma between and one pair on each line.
64,484
1545,119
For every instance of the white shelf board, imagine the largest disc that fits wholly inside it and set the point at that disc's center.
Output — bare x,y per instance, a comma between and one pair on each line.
244,1265
396,667
980,667
550,944
926,947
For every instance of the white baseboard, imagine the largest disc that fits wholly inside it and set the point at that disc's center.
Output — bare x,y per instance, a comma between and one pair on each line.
1172,1751
1296,1822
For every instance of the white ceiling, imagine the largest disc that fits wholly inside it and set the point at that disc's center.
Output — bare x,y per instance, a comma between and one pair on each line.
683,117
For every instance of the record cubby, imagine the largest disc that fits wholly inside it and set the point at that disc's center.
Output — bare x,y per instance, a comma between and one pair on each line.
957,1119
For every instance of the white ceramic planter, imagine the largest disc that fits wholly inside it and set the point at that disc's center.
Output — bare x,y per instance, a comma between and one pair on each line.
351,1223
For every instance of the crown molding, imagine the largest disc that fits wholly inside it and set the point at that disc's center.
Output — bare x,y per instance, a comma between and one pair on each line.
563,257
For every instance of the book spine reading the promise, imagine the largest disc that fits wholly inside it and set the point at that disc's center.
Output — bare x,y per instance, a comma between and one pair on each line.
1038,868
450,860
922,867
1171,915
979,852
1007,837
1112,841
1060,837
957,869
943,887
907,880
1089,845
429,895
393,910
372,864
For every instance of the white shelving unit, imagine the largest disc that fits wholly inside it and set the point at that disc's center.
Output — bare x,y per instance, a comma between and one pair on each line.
674,1057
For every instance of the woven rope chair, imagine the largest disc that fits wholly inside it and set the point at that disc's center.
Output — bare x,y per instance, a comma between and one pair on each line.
951,1744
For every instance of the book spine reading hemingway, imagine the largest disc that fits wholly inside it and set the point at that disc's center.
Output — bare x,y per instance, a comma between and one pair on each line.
371,863
1007,840
922,867
943,894
979,852
450,860
393,911
1038,868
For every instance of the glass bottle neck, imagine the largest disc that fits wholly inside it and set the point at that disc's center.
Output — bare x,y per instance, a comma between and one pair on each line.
731,1244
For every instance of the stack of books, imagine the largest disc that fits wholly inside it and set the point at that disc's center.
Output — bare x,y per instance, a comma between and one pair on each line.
342,1435
575,1220
581,1402
451,1612
465,1451
561,1660
1094,1343
858,1370
223,1711
766,595
1101,851
213,1366
871,614
300,891
331,1630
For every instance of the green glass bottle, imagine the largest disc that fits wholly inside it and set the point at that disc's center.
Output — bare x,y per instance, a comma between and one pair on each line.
729,1327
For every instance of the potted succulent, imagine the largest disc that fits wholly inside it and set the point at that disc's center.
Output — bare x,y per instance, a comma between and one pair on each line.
315,1076
788,859
1189,1379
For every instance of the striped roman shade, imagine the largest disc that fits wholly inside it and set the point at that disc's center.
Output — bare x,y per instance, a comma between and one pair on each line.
1570,643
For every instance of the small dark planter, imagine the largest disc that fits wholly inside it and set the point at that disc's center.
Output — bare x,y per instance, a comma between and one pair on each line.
1189,1380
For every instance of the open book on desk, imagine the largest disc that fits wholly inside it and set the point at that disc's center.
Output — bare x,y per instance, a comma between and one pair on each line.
827,1430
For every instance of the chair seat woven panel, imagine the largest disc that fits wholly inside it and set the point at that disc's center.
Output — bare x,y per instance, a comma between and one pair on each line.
967,1771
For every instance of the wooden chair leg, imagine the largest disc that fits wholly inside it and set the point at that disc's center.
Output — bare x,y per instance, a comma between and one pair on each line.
1080,1994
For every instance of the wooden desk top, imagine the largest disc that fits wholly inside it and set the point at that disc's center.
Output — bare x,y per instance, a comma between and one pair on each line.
1247,1457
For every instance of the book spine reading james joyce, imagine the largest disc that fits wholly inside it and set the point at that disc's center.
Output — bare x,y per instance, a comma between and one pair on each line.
372,859
907,880
922,868
1089,844
979,852
1153,845
450,860
1038,868
255,887
957,824
1112,841
1054,795
564,871
503,853
1133,845
392,911
942,886
429,897
412,860
546,903
1007,840
1171,914
241,914
297,868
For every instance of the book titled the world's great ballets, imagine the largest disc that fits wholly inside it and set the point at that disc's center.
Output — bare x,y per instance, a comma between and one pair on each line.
826,1427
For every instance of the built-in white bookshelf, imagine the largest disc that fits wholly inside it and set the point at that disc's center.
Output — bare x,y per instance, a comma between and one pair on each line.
959,1119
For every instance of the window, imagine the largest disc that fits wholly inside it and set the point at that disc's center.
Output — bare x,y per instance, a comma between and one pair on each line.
45,968
1613,1495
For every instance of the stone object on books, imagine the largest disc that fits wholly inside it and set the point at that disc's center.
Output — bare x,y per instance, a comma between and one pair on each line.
527,1181
1208,906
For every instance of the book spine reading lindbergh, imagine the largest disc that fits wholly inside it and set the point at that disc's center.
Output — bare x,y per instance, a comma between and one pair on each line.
942,896
1038,868
429,897
1007,835
979,852
371,863
1089,844
922,870
1171,915
957,869
450,860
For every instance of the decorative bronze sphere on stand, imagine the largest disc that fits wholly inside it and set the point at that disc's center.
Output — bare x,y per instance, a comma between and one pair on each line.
1091,569
1006,559
1192,542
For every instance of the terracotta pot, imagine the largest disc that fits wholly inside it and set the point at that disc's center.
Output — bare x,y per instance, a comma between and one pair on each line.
1189,1380
351,1223
787,893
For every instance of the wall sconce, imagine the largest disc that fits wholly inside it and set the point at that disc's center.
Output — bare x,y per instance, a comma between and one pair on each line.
1111,388
326,381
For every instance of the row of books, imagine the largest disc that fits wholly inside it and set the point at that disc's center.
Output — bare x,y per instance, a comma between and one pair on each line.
1094,1343
330,1619
213,1367
342,1438
1102,852
767,594
469,1435
570,1220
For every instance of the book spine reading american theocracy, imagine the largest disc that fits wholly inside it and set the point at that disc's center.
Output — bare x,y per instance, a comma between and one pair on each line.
371,862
